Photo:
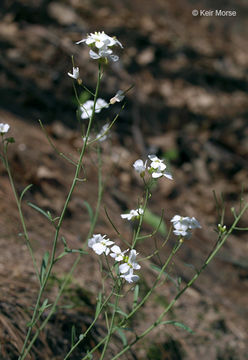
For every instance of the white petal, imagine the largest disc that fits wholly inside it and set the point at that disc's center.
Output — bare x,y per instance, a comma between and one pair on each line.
79,42
156,175
99,248
124,268
94,55
114,58
168,175
116,249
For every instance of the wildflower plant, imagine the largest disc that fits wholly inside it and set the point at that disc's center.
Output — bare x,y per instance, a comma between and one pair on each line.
119,255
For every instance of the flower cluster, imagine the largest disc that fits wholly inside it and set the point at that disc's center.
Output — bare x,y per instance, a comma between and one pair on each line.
157,167
133,214
101,45
87,107
183,225
101,245
4,128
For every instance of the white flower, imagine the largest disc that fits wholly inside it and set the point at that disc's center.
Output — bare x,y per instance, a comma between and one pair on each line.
117,254
100,40
158,168
99,244
140,166
133,214
100,104
4,128
129,266
101,44
183,225
194,224
101,136
75,73
130,277
104,53
87,107
119,96
181,230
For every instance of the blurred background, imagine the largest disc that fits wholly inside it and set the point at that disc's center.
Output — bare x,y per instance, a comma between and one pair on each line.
189,104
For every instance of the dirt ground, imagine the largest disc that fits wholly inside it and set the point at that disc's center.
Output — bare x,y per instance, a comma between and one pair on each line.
189,103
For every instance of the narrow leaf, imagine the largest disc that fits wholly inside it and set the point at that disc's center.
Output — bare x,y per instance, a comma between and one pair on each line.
135,296
25,190
73,335
118,310
155,221
44,266
157,268
37,208
44,306
176,323
98,305
122,336
89,209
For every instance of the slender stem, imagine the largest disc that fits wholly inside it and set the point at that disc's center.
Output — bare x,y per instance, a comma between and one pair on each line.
180,293
145,298
18,202
89,328
99,197
53,308
61,218
110,330
174,251
136,235
54,147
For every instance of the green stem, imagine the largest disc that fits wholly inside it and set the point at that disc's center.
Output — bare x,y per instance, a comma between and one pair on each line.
110,330
89,328
61,218
53,308
180,293
136,235
99,197
174,251
145,298
18,202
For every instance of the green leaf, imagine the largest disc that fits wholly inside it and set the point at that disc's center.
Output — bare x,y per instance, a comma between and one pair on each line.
64,242
135,296
84,96
118,310
73,335
37,208
10,140
171,154
177,323
98,305
25,190
157,268
44,306
78,251
89,356
122,335
61,255
43,268
90,211
155,222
